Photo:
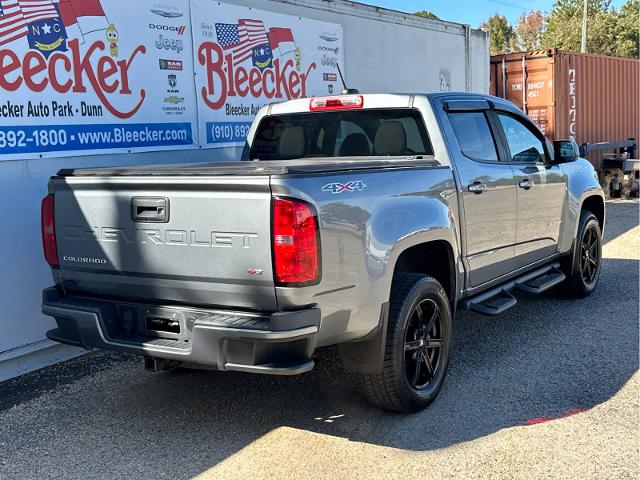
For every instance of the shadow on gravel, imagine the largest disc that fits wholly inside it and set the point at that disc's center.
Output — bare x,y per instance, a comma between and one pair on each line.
543,358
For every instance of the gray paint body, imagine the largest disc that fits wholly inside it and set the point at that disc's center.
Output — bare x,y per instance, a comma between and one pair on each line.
219,225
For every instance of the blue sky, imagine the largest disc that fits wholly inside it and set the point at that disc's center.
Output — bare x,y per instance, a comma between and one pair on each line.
472,12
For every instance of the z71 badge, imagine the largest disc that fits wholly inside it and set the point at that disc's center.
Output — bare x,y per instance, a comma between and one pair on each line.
334,188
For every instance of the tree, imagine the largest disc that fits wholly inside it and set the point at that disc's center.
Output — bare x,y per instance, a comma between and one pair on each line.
500,33
528,32
563,24
427,14
628,31
609,32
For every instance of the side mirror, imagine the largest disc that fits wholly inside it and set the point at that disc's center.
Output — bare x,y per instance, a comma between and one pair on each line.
565,151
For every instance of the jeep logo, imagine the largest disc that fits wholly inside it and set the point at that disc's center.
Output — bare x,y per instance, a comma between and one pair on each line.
169,44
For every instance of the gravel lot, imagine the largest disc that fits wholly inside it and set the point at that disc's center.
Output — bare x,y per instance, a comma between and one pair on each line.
549,389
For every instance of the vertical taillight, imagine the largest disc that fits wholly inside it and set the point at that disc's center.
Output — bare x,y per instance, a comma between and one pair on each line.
48,232
295,243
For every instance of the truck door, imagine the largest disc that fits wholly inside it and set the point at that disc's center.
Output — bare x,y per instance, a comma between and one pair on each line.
488,194
540,192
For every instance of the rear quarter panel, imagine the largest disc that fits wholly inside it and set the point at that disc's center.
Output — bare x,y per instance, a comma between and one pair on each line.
362,234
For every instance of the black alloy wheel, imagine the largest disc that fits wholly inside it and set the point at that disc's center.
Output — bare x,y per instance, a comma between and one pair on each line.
417,346
423,344
590,254
583,267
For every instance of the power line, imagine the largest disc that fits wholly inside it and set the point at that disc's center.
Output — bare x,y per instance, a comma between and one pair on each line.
509,4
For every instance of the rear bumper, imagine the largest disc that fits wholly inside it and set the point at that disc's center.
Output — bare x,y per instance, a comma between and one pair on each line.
280,343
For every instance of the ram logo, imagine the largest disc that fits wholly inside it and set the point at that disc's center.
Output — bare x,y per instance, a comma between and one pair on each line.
334,188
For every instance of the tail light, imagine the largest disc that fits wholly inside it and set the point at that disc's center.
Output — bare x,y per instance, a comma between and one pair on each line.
48,232
295,243
343,102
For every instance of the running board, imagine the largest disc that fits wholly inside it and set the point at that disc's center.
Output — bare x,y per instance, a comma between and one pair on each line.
499,299
542,283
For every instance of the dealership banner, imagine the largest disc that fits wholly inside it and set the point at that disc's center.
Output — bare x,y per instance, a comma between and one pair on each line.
245,58
95,76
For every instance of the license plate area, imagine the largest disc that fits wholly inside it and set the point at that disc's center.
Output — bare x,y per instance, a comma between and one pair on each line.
162,323
155,322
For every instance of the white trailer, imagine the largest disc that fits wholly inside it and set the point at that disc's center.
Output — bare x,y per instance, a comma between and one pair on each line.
384,51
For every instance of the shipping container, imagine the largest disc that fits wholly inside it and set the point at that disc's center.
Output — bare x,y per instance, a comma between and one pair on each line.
593,98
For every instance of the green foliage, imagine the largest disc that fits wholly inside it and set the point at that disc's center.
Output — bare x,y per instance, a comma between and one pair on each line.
501,34
427,14
628,32
609,31
563,27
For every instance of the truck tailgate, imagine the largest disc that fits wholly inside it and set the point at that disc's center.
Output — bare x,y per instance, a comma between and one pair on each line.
201,240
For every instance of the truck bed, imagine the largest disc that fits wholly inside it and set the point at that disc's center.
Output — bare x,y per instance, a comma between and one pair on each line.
284,167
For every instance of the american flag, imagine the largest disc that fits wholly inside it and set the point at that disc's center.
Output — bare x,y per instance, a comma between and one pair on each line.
241,38
37,10
12,23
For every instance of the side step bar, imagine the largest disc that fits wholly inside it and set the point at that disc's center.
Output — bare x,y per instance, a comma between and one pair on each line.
499,299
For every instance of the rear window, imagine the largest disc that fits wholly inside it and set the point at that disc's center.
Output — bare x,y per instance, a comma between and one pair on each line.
354,133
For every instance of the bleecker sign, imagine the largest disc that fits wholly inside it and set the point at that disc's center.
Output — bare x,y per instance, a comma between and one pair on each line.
72,71
83,76
246,58
280,81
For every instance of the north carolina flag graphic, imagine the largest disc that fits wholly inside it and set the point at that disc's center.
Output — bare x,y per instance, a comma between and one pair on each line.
45,30
281,39
84,16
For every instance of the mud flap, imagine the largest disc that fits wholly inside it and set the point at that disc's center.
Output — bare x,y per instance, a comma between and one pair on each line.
367,355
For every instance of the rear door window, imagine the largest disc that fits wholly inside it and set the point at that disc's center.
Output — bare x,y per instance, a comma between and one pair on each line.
474,136
344,133
524,145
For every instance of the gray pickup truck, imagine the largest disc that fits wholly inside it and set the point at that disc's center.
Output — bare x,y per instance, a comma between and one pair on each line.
358,220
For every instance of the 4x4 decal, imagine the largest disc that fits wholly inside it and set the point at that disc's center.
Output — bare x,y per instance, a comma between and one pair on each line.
356,185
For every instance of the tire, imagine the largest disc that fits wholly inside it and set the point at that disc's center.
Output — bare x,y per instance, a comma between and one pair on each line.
408,342
583,271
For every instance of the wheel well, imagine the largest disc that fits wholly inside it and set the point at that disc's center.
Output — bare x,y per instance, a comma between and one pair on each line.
596,206
431,258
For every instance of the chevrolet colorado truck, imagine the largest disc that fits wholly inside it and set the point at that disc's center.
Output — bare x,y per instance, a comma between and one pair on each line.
358,220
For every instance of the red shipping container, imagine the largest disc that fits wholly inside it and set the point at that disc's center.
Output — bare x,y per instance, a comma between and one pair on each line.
593,98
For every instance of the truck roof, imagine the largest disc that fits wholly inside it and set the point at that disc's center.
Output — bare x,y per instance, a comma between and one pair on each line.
385,100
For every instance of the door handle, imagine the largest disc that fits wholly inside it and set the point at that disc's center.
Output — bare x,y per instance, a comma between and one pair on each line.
477,187
150,209
526,184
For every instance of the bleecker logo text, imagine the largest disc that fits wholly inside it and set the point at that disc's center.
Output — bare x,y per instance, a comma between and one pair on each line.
280,81
65,73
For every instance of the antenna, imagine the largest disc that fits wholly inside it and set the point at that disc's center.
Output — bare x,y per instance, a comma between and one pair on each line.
346,90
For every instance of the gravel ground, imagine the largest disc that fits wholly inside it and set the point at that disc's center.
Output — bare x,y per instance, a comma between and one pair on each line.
550,389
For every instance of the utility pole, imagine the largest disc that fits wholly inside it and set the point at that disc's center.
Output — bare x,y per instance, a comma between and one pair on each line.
585,15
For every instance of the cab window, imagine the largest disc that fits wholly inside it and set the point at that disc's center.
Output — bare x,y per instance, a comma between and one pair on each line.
524,145
474,136
341,133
